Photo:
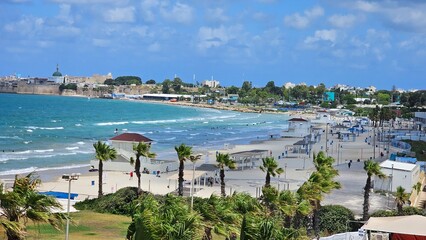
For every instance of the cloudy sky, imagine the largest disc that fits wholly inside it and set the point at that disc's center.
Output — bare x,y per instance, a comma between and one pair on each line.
356,42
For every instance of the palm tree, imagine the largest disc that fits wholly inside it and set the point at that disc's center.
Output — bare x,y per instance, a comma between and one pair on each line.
270,166
417,187
373,169
319,183
291,204
183,153
24,203
103,153
141,150
401,198
223,160
169,221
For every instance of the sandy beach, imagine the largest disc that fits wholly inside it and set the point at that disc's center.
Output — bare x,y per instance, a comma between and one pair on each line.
250,180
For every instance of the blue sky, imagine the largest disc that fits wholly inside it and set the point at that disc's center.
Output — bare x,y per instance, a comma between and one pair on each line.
355,42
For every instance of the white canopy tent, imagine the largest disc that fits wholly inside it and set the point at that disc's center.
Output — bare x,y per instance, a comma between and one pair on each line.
414,225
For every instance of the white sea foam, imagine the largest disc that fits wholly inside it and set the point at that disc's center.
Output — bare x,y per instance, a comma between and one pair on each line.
80,143
111,123
29,130
26,142
78,125
43,128
35,169
7,158
72,148
154,122
43,151
8,137
169,139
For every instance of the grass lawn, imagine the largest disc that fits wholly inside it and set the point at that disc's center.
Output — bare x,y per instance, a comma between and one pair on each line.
418,147
87,225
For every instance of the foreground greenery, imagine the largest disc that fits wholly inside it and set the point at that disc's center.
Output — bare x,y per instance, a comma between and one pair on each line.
85,225
276,215
23,204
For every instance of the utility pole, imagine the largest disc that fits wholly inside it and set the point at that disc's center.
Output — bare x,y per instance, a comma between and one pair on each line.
374,142
326,140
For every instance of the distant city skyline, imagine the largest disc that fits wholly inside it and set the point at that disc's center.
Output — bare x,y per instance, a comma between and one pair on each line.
353,42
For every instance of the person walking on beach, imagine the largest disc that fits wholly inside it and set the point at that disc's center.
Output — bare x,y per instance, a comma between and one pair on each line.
131,175
349,164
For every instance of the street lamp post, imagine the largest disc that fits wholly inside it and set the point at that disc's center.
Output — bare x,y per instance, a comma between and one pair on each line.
285,171
69,178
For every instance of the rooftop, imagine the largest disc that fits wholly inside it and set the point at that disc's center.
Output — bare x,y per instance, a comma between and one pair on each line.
397,165
131,137
297,120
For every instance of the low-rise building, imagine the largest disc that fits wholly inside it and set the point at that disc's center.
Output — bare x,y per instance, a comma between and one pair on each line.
397,174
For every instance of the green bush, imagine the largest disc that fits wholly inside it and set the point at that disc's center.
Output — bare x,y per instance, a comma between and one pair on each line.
115,203
334,218
406,211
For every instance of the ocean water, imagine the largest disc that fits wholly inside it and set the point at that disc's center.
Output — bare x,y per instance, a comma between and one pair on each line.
55,132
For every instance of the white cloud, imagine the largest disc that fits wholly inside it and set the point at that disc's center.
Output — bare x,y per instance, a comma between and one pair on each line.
302,21
402,15
216,15
216,37
180,13
154,47
65,14
314,12
342,21
116,2
120,15
322,35
147,9
26,26
366,6
142,31
98,42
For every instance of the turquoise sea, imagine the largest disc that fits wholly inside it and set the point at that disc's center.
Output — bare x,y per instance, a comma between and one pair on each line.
54,132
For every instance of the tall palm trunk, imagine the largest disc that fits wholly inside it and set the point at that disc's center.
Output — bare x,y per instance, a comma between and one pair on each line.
222,182
366,205
268,180
315,218
181,167
138,172
100,182
399,208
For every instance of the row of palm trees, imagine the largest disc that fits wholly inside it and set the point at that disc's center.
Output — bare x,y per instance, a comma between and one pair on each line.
324,172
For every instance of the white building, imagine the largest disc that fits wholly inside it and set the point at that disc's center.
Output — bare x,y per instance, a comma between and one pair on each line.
288,85
322,117
398,174
123,144
211,83
298,127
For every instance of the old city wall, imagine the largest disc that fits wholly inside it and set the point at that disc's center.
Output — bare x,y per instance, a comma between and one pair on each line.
24,88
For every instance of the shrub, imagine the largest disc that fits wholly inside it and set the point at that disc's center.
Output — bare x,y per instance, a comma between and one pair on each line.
334,218
115,203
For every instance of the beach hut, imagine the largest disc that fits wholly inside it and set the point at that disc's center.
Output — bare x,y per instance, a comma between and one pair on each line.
249,158
125,141
298,127
398,174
